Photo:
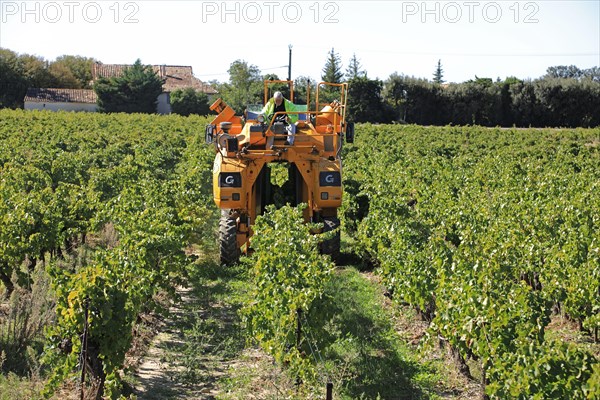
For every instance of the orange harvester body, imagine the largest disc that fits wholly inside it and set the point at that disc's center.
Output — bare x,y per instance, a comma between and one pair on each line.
246,145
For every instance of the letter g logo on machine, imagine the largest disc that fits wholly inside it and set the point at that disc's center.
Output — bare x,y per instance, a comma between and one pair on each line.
230,180
330,178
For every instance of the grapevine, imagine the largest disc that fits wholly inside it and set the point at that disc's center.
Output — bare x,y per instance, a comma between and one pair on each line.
485,232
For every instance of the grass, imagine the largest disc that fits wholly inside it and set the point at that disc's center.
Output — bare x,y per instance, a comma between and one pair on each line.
23,318
362,347
210,324
14,387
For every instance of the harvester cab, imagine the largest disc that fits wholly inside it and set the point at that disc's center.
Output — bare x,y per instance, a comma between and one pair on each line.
308,141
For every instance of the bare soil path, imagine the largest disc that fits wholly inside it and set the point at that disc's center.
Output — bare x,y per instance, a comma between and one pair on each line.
196,345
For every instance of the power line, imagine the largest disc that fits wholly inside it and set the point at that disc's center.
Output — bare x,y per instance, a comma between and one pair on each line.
226,73
267,69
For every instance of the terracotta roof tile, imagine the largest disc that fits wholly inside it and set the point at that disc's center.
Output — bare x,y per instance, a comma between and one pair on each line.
61,95
174,77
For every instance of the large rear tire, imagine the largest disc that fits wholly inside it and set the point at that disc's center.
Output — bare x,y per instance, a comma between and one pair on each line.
331,246
229,250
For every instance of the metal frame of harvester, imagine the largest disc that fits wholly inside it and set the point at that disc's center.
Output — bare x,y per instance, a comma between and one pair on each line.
246,145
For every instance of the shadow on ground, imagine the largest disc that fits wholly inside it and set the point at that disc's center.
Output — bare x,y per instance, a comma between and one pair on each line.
359,339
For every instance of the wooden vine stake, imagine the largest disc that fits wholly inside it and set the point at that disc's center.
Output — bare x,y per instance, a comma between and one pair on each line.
84,344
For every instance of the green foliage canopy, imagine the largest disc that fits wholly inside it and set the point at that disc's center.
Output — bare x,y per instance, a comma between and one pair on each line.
136,91
189,101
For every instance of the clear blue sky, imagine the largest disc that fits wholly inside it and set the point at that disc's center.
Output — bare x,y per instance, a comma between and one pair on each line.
471,37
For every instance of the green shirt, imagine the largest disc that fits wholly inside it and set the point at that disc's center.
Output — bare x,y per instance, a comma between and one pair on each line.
269,109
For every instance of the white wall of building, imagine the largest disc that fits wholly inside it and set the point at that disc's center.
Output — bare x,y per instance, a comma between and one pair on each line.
163,105
35,105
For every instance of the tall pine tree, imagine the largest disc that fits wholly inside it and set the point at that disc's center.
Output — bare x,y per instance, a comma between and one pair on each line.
332,72
438,74
354,69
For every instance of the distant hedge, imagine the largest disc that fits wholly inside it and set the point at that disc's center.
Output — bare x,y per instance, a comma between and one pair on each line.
558,102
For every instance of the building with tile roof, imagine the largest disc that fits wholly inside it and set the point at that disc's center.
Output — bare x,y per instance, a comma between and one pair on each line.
173,76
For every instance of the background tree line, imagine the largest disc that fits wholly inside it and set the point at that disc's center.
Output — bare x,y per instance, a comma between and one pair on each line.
566,96
547,101
135,91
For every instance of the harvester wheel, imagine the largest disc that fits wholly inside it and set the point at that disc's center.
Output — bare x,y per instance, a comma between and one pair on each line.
230,252
331,246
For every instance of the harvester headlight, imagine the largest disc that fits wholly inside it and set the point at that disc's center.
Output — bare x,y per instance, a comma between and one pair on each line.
235,197
260,118
324,196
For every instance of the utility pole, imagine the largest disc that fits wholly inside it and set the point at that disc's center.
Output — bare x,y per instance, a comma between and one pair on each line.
290,64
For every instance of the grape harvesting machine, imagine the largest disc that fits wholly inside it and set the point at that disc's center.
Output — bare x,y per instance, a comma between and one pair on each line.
245,147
